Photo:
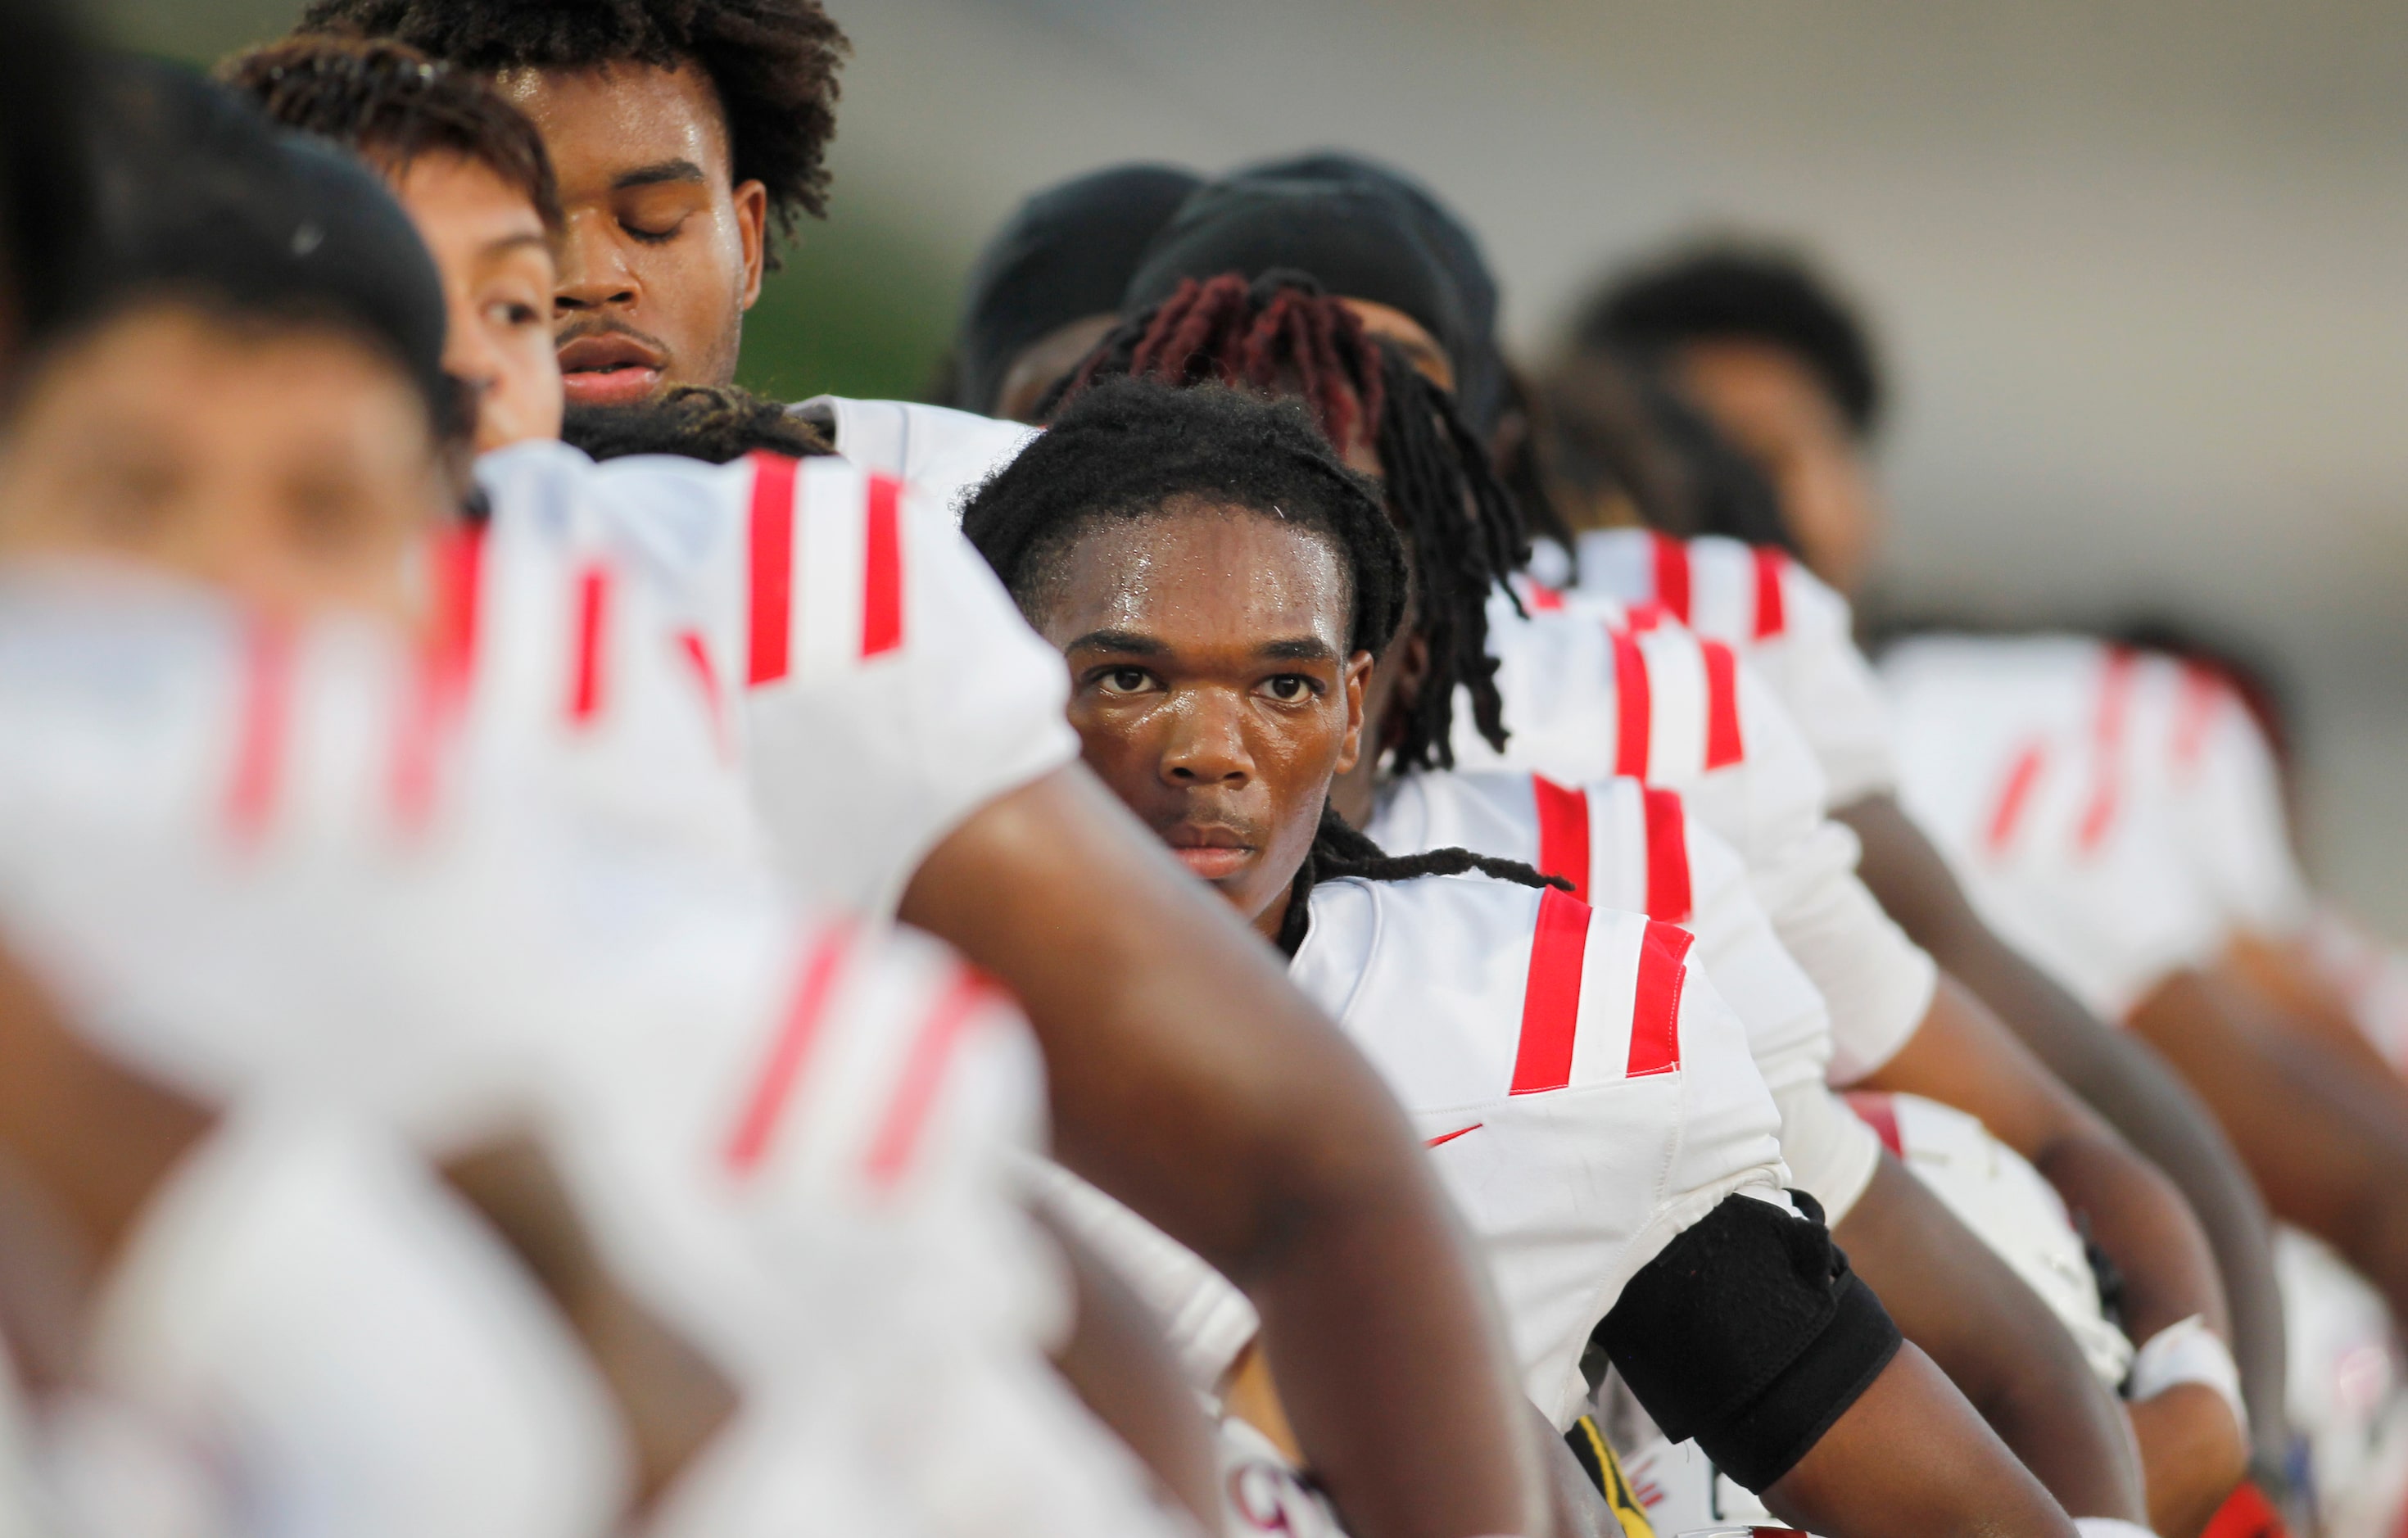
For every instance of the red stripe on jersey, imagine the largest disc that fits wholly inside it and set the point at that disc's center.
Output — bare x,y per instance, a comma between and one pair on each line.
593,618
882,577
1632,711
1563,832
2014,796
1656,1005
1771,611
1640,617
1877,1110
773,573
2202,691
267,708
697,652
1723,744
1551,996
1541,598
1444,1138
775,1088
1671,574
923,1070
459,579
1668,857
2107,740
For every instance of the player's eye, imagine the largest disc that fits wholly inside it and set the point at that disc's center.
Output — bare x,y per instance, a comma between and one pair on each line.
1123,681
1289,689
509,314
652,235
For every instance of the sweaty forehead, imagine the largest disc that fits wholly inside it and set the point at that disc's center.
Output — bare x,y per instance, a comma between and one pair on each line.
1196,576
604,123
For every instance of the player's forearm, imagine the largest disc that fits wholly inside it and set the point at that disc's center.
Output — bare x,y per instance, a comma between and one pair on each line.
2136,1215
1998,1342
1911,1459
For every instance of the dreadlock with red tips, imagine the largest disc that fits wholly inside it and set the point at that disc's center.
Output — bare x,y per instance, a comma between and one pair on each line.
1281,334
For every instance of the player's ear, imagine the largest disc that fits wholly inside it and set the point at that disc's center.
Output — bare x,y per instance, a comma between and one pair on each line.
1358,677
753,227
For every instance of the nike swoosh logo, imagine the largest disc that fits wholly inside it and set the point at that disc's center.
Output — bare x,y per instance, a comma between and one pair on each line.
1450,1136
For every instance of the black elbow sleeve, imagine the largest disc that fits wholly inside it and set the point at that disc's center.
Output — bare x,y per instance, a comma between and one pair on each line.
1750,1334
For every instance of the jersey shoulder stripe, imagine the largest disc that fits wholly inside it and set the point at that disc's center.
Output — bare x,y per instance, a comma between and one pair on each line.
1655,1004
590,642
1670,559
1549,1054
933,1050
1551,996
1633,706
1563,833
1722,743
770,566
881,573
1772,574
790,1050
1669,897
825,569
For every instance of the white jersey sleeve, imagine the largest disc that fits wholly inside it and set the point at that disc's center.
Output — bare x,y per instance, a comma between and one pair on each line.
2043,768
883,686
1795,631
1585,699
940,455
1586,1095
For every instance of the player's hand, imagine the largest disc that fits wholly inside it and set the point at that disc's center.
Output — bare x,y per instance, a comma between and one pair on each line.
2192,1454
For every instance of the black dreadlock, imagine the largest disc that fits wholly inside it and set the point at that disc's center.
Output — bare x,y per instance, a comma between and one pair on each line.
711,422
773,63
1282,335
1339,851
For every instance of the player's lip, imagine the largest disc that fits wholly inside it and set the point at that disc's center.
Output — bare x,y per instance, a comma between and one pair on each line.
1212,853
610,368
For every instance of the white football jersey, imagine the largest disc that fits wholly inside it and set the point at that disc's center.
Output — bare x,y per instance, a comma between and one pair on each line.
1797,633
941,455
2114,815
1591,693
1586,1095
878,683
1625,844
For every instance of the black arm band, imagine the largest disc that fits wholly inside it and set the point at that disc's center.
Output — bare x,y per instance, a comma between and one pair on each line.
1750,1334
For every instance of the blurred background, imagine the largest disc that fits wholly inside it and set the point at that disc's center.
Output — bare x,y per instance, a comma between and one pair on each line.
2137,269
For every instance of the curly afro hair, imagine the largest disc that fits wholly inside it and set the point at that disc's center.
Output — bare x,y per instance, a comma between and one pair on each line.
773,63
1739,293
391,104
